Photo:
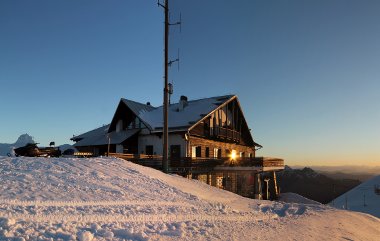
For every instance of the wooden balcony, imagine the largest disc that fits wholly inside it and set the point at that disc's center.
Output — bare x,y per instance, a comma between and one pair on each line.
189,164
225,134
257,163
154,161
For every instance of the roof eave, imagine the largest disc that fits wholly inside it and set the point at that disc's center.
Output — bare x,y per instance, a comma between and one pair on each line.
170,130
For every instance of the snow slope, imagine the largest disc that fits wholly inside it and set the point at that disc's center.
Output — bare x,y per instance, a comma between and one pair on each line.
112,199
361,198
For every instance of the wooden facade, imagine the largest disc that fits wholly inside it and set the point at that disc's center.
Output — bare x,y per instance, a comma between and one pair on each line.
225,124
224,148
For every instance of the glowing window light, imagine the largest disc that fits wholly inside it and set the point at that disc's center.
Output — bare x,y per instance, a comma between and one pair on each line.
233,155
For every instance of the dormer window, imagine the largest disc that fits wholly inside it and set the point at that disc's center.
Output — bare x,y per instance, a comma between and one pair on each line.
135,124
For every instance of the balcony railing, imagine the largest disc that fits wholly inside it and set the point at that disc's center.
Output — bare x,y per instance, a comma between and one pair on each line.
226,161
191,163
225,133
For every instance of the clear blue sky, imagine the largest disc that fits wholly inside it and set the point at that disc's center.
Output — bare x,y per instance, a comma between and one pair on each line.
307,73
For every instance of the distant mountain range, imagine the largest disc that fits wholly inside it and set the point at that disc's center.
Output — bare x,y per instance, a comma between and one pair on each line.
314,185
347,169
22,140
346,175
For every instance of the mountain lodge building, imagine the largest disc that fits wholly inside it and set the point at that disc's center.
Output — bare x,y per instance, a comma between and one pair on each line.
209,140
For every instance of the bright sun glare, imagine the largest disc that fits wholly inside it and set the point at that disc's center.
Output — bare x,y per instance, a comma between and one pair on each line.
233,155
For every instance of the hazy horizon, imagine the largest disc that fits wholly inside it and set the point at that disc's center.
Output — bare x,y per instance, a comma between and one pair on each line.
375,169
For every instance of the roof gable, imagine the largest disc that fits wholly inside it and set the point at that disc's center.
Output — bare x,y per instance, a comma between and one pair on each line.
131,108
184,119
137,107
244,129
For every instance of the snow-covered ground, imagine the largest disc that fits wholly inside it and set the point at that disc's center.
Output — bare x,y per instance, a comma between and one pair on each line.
362,198
112,199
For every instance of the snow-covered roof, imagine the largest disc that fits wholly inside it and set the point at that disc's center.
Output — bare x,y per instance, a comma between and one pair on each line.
194,111
102,138
137,107
92,134
152,117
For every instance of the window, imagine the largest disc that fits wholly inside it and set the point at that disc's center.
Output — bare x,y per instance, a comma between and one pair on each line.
241,154
206,127
137,123
196,151
149,149
217,153
233,155
228,153
193,151
207,152
119,125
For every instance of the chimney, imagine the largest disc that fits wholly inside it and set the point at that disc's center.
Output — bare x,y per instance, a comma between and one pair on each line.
148,103
182,103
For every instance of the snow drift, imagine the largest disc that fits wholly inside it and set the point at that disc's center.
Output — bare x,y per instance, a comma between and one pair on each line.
112,199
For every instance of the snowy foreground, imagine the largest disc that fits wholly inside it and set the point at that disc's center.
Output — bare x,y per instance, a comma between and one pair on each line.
111,199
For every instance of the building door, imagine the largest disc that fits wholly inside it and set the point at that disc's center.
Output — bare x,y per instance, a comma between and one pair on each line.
149,150
175,152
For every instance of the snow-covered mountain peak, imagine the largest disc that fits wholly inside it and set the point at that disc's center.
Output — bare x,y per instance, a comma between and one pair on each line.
23,140
8,148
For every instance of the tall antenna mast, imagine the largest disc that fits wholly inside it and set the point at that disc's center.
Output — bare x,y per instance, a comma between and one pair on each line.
167,63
